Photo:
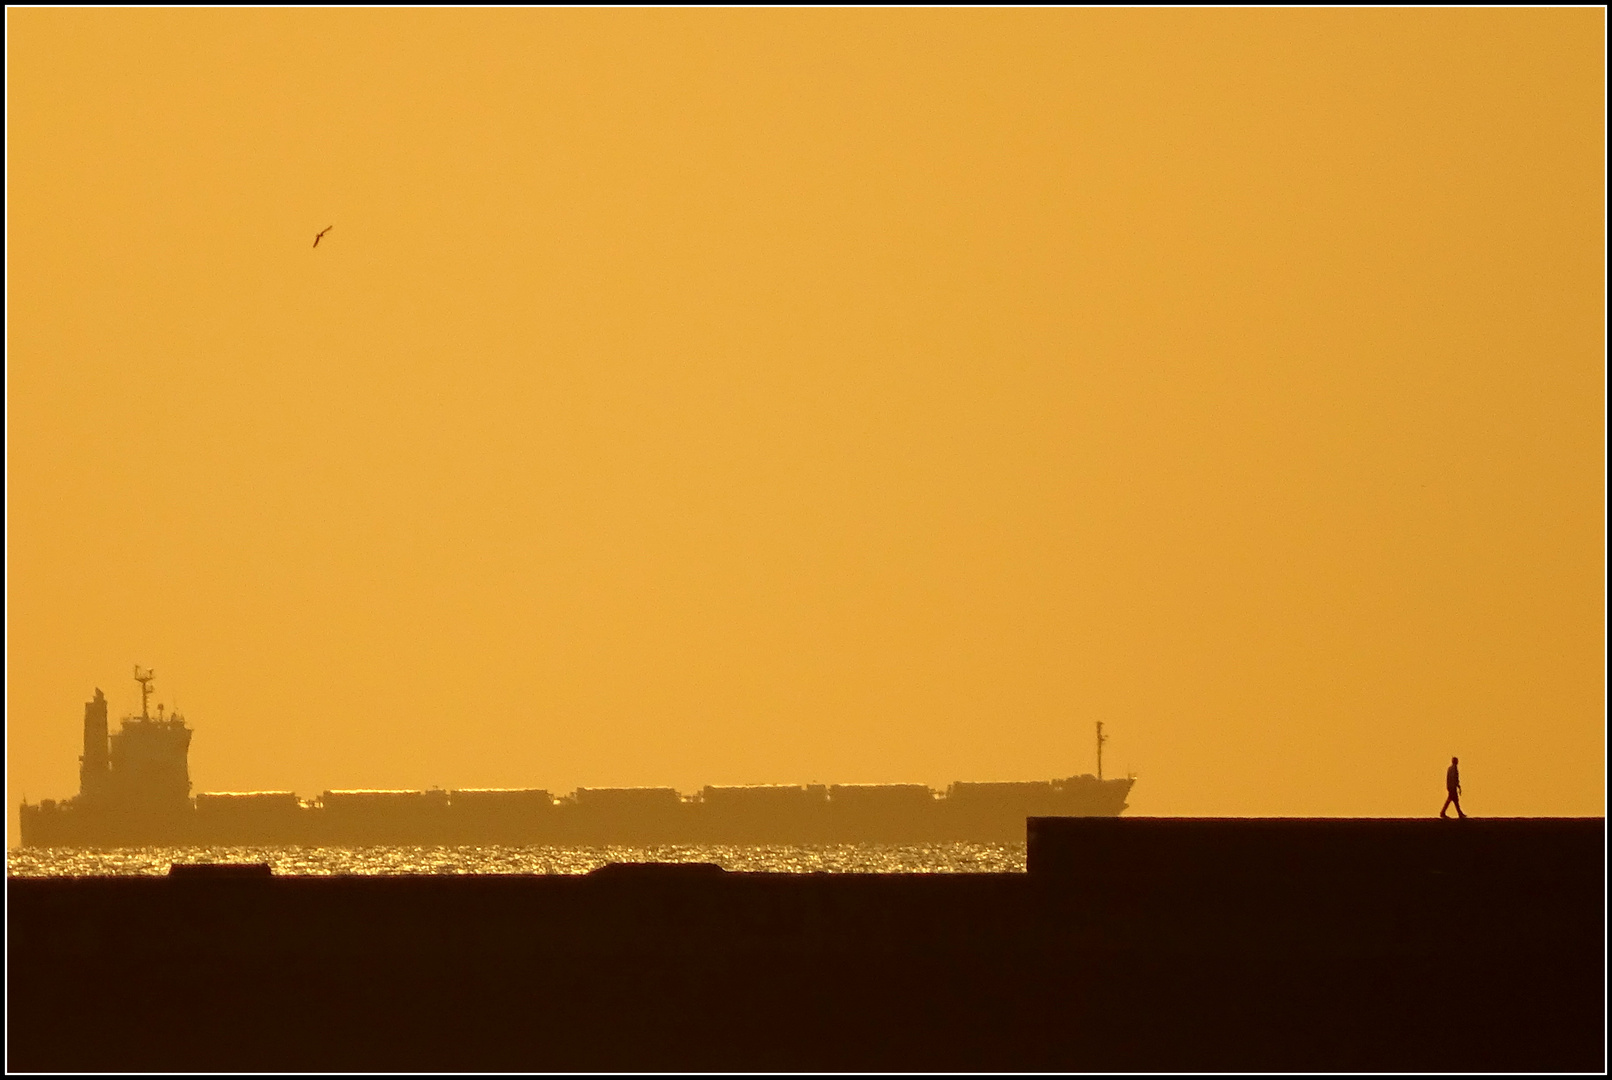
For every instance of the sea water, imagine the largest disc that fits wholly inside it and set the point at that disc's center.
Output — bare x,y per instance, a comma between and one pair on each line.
954,858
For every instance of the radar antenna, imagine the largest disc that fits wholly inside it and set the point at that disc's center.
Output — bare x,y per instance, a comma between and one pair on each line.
143,676
1101,739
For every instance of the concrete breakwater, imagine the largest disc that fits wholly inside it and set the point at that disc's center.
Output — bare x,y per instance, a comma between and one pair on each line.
1280,952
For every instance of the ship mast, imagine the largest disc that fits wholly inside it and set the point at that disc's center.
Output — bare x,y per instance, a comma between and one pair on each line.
144,677
1101,739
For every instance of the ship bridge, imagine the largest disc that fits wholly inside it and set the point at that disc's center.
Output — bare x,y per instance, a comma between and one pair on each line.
143,766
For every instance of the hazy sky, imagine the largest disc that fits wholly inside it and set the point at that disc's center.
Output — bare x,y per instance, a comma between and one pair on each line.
691,397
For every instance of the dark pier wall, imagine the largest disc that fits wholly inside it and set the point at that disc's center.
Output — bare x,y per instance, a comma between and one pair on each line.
1152,956
1314,848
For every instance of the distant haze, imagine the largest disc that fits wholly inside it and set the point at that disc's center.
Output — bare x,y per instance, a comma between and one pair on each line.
709,396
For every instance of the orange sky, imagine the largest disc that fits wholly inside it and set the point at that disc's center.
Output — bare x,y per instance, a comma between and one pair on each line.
715,396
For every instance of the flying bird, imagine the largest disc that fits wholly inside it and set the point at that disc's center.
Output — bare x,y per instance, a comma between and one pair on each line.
321,235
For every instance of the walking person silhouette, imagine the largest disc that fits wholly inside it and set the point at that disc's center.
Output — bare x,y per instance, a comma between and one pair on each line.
1452,785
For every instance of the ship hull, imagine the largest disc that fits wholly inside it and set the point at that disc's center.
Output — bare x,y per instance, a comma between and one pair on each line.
986,817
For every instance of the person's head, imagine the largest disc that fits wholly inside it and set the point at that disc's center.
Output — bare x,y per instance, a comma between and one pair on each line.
1455,761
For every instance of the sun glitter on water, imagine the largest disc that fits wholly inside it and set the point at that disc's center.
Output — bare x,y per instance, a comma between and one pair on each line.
957,858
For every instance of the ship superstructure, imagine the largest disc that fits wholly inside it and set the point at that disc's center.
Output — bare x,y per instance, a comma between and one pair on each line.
133,783
134,788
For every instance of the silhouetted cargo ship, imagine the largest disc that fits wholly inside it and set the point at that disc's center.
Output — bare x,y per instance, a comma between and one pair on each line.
134,790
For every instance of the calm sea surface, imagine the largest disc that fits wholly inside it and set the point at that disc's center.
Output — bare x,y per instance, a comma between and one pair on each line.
830,858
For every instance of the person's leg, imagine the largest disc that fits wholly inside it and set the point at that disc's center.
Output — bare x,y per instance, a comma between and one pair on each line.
1459,812
1443,811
